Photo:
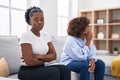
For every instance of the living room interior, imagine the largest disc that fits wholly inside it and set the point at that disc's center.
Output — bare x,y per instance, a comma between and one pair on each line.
104,16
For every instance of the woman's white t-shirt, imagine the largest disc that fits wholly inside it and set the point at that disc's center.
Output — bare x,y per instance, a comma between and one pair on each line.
39,44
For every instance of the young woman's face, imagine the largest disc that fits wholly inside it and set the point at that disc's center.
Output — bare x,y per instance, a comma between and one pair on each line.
37,21
87,29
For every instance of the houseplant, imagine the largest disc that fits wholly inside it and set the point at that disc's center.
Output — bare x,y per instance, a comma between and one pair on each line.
115,50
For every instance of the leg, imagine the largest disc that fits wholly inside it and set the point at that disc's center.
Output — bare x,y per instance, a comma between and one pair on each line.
38,73
65,73
99,70
80,67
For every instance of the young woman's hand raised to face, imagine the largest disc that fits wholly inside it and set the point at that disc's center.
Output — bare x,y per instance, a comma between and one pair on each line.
88,36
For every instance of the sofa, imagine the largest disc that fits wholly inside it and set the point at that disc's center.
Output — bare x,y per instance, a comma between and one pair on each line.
11,51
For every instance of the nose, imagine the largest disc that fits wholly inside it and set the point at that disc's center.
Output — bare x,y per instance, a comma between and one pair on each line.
40,21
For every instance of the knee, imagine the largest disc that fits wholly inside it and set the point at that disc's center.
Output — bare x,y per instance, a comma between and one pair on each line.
64,68
85,65
55,71
100,63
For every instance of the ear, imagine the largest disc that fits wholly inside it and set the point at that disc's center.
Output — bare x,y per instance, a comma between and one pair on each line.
29,22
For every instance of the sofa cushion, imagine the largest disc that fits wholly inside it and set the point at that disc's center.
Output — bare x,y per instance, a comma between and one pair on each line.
10,49
4,71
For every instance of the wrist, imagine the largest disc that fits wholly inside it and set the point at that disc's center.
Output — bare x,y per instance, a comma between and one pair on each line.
92,60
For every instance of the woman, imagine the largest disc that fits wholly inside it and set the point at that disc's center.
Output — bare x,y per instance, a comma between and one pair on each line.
79,52
37,49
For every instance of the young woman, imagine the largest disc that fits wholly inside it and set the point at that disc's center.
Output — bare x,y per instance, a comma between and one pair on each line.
37,49
79,52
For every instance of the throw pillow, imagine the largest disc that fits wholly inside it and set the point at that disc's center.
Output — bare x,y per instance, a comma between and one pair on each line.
4,71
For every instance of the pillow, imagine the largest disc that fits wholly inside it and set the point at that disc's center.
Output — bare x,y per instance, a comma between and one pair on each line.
102,52
4,71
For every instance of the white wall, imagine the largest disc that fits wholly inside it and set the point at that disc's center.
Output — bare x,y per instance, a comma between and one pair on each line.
50,11
98,4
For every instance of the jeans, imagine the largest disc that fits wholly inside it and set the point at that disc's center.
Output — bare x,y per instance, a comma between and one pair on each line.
81,67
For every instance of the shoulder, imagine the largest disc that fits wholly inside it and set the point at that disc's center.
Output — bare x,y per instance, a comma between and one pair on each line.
70,40
25,34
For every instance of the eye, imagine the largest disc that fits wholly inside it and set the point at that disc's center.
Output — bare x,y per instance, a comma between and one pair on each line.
36,19
42,19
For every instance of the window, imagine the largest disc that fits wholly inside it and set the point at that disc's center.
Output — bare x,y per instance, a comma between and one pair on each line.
18,23
67,9
63,12
12,17
4,2
4,21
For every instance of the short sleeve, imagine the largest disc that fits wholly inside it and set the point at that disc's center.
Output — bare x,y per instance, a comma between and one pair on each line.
24,39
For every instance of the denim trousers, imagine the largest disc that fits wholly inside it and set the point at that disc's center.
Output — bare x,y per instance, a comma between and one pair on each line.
81,67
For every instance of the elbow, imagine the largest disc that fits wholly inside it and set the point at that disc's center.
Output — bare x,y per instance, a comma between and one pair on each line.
29,64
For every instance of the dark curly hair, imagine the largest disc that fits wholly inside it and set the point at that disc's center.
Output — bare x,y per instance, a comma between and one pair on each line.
77,26
29,12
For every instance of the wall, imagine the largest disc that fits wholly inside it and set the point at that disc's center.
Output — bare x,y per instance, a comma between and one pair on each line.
98,4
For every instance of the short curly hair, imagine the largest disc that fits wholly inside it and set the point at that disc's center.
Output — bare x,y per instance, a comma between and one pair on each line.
77,26
29,12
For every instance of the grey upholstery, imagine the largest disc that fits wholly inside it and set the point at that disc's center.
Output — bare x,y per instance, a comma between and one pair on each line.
10,49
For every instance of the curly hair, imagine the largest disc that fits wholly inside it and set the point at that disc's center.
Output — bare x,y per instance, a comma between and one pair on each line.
29,12
77,26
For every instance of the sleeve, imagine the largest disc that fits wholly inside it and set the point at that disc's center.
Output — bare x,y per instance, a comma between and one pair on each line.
92,52
24,39
77,52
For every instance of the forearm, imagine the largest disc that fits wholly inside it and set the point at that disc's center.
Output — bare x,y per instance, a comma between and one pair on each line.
33,62
46,57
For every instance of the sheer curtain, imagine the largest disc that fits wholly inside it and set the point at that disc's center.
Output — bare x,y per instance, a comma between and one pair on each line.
67,9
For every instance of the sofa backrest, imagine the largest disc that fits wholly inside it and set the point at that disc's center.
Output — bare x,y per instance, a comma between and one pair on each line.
58,43
10,50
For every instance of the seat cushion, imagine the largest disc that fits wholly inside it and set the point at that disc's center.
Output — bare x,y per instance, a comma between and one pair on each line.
10,50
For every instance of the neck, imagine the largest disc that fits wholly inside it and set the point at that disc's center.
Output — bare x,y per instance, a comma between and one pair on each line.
37,33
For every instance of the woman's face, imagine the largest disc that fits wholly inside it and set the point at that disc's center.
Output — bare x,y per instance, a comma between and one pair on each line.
37,21
86,29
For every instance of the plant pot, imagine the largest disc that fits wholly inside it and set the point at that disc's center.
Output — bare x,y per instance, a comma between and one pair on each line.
115,52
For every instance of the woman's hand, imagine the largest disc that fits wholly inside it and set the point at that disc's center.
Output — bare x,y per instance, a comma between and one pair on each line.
92,65
88,38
